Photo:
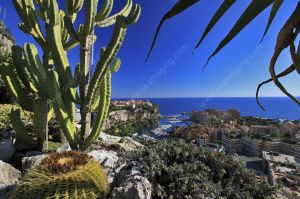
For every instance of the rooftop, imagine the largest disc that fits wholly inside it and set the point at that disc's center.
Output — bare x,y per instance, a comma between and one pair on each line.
278,158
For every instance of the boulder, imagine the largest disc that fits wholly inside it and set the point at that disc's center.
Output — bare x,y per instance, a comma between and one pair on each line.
130,184
8,175
63,148
108,160
7,149
115,143
29,162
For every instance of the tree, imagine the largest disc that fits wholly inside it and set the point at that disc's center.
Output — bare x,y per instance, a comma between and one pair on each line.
286,36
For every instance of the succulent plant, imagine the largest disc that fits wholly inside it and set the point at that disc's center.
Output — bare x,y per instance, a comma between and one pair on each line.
52,77
23,80
64,175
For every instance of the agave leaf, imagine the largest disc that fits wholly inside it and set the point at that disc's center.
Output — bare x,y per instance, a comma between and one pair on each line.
295,56
226,5
285,38
179,7
252,11
276,6
284,73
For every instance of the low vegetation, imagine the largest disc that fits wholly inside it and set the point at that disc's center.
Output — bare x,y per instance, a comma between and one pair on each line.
178,169
5,123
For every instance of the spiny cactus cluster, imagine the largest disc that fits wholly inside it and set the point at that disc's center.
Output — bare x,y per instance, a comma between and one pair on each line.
62,176
51,78
24,79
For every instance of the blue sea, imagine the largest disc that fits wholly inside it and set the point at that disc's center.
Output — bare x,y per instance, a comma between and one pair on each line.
276,107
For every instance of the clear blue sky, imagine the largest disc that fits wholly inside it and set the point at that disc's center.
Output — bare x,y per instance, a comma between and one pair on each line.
172,70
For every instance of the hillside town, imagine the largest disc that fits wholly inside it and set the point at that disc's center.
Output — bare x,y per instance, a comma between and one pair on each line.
271,148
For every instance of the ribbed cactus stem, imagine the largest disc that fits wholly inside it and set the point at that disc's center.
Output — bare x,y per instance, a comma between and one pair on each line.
40,121
52,79
85,70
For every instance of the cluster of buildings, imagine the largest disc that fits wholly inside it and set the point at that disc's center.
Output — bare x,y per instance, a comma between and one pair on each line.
206,133
269,148
205,116
279,148
129,103
283,170
264,138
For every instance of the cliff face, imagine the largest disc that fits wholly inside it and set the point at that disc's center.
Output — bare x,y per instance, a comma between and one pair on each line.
137,115
129,120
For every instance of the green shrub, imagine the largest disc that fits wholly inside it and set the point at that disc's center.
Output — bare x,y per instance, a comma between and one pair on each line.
5,96
178,169
62,176
5,123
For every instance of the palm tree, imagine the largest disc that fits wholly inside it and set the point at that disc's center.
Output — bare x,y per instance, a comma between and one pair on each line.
286,36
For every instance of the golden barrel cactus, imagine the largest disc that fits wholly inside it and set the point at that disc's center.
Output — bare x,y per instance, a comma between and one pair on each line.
64,175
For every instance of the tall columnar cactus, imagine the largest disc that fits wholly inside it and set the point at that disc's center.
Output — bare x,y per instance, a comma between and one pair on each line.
59,84
22,76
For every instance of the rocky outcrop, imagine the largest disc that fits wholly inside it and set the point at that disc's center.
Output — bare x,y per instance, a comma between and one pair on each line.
126,180
137,114
129,184
9,176
133,186
115,143
108,160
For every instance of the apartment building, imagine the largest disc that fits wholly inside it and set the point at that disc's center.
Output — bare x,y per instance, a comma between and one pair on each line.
282,168
263,130
232,145
289,149
253,147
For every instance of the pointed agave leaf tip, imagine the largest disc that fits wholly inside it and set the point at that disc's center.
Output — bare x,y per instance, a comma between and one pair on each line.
226,5
276,6
208,60
179,7
252,11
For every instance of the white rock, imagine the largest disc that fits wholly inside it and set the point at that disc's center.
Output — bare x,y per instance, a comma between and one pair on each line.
123,144
63,148
132,187
28,162
7,149
8,175
107,159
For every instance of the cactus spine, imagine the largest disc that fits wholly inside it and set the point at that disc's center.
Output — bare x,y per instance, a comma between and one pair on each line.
54,71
